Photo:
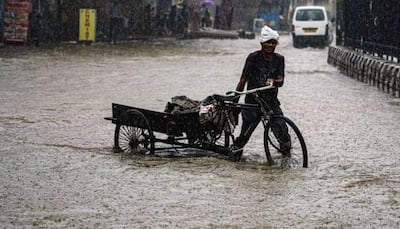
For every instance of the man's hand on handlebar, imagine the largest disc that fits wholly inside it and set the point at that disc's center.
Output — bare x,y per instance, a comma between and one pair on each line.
269,81
277,82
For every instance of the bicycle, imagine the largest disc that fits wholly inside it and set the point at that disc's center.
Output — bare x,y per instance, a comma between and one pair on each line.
274,147
211,129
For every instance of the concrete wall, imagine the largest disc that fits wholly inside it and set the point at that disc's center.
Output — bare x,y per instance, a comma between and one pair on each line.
368,69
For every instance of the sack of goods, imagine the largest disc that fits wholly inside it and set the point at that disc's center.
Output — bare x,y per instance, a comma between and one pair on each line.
181,104
210,112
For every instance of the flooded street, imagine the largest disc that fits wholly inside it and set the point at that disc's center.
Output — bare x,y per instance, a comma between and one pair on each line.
58,169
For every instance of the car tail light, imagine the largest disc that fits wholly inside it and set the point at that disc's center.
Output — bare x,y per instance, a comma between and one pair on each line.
292,28
326,28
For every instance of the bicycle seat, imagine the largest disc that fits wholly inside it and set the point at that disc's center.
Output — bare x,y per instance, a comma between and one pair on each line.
225,98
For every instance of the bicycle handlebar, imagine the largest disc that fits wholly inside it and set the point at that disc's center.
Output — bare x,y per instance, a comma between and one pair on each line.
250,91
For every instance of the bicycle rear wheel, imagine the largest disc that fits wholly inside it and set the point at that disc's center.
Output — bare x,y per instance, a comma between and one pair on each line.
288,146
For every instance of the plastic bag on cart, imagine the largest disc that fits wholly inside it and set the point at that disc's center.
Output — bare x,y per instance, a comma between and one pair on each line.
182,104
210,112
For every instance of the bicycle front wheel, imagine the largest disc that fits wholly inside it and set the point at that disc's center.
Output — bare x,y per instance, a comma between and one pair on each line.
284,142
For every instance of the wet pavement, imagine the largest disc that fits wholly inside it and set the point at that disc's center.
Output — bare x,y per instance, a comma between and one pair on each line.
57,168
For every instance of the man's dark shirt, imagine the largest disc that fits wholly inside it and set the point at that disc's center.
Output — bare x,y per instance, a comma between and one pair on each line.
257,70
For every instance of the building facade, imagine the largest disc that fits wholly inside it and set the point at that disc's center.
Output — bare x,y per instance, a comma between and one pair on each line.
58,20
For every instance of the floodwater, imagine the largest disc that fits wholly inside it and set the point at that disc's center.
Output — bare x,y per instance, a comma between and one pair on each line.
57,167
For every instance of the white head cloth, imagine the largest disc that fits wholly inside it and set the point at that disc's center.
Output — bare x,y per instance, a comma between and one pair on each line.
268,34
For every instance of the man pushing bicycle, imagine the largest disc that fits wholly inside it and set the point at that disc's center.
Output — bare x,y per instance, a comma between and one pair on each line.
263,67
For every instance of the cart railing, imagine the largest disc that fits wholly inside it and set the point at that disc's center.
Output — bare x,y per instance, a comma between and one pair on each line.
170,124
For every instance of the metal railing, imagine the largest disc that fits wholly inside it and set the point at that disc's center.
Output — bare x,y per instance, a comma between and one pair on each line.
370,26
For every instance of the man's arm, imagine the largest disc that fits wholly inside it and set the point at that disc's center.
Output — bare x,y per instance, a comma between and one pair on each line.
279,79
242,83
239,87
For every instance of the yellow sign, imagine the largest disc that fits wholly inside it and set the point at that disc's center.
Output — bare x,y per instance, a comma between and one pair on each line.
87,24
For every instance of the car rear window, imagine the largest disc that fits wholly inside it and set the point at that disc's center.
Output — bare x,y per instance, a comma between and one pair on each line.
310,15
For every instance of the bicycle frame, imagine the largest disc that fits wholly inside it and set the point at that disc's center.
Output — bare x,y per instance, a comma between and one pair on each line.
261,103
228,105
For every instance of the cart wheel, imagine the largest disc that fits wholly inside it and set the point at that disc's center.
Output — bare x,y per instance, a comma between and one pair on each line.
131,139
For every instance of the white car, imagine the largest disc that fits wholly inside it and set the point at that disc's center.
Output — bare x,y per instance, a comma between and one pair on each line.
311,25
